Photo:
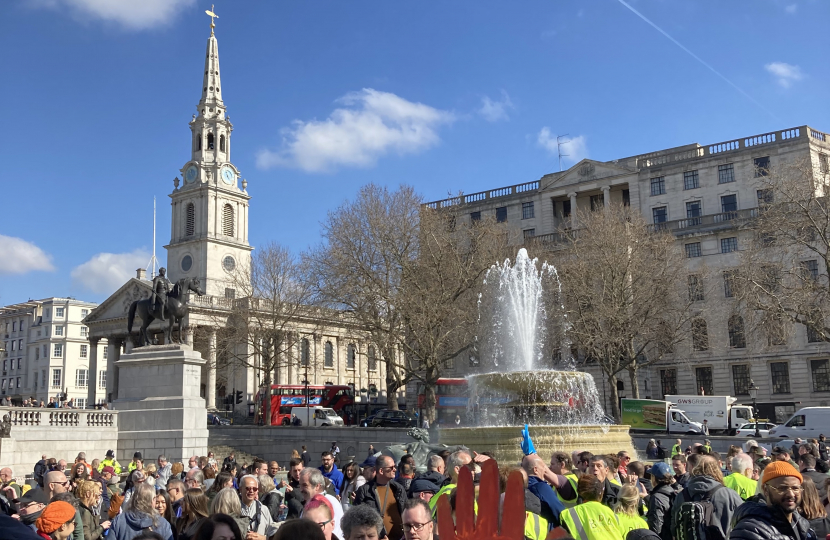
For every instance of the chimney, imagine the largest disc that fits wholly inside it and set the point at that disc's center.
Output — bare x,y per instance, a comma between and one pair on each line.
141,274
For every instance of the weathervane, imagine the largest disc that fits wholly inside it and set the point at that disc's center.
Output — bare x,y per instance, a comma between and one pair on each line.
212,15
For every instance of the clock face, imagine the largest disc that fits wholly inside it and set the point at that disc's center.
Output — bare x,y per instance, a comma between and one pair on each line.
228,176
190,174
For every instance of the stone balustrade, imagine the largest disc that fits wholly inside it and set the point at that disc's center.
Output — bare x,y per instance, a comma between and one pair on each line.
484,195
70,418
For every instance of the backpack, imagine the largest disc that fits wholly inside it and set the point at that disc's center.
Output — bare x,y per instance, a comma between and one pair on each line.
695,520
661,452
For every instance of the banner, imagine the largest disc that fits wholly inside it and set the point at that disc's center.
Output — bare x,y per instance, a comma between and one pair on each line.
644,413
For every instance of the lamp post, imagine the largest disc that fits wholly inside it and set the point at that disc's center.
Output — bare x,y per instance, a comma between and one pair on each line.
753,393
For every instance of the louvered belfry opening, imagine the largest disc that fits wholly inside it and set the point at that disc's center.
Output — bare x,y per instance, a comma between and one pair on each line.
227,220
190,219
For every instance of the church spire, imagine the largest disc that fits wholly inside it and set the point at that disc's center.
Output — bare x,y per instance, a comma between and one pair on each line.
212,83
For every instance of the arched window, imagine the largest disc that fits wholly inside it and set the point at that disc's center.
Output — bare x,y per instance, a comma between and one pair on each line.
227,220
700,335
350,357
210,141
329,354
373,361
620,386
305,351
737,338
198,141
190,220
221,143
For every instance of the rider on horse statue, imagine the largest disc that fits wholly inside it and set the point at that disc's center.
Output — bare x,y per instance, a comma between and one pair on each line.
161,288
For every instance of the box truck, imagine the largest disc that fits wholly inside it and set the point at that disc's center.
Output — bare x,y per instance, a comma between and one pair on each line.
720,413
655,415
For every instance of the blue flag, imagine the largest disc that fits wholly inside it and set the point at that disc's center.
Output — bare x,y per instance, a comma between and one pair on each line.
527,444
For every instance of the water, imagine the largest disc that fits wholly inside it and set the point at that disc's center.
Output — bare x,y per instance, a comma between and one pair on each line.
522,337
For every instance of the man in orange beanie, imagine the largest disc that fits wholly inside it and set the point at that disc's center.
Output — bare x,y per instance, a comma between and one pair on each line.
57,522
776,516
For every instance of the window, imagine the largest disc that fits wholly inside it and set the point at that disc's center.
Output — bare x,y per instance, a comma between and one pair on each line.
658,185
821,375
305,352
22,324
668,381
59,312
102,379
190,220
694,209
700,334
230,294
80,403
823,164
528,233
198,141
19,361
693,250
58,350
11,383
761,166
597,202
728,245
14,345
59,330
695,288
84,331
19,344
106,351
809,270
350,357
780,372
56,378
814,332
703,375
5,365
765,197
81,378
221,143
45,351
737,338
43,373
84,313
14,326
37,353
659,214
690,180
626,196
329,354
566,209
84,351
527,210
501,214
729,203
210,141
372,359
475,216
726,173
740,379
227,220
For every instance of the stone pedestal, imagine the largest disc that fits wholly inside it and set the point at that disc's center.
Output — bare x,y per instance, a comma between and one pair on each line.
159,404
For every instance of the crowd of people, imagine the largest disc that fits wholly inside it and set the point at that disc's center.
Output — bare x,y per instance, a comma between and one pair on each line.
695,493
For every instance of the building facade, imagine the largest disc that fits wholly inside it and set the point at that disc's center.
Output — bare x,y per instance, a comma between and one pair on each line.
702,194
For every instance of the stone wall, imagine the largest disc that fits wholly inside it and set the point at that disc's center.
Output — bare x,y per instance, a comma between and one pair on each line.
277,442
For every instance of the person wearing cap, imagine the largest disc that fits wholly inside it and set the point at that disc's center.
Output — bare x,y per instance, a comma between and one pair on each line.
30,505
133,465
108,487
368,469
662,495
779,453
422,488
740,481
109,461
775,516
57,521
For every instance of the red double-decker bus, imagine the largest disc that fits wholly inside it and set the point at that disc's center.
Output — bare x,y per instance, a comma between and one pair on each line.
285,396
451,397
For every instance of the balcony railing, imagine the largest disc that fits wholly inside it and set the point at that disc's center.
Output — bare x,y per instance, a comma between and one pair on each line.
485,195
28,416
690,225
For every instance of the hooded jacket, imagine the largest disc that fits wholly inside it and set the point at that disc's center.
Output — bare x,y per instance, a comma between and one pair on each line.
757,521
724,501
659,510
128,525
335,476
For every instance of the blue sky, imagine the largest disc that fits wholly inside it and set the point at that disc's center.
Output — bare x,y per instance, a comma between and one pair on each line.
326,96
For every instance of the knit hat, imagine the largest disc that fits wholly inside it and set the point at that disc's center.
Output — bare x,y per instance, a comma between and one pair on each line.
777,469
54,515
107,469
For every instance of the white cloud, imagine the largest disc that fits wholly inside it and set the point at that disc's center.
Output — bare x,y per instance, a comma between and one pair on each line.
106,272
493,111
135,15
370,125
792,8
576,148
784,73
21,257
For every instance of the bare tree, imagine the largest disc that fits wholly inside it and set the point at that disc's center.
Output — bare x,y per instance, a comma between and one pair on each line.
627,292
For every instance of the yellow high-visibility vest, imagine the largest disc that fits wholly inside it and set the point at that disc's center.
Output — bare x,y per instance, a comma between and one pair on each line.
743,486
591,521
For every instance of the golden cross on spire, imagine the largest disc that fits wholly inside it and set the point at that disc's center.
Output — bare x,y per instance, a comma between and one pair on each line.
212,15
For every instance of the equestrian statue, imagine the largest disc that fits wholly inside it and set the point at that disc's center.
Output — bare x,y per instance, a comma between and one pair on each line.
164,304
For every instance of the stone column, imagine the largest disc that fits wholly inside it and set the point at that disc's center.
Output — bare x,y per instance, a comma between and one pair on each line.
211,369
572,196
112,370
188,335
92,379
606,198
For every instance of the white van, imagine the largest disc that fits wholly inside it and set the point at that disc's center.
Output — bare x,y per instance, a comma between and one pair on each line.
809,422
317,416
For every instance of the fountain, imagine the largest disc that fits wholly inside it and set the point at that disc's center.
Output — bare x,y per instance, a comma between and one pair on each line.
523,323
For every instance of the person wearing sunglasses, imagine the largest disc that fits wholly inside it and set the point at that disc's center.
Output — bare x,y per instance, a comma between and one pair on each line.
320,511
55,482
385,496
417,520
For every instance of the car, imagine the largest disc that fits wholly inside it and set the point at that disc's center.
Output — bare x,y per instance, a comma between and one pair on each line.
366,422
390,418
748,430
216,420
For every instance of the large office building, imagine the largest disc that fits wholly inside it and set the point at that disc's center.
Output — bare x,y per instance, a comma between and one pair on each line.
702,194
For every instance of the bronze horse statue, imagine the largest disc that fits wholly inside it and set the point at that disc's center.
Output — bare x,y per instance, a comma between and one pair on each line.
177,309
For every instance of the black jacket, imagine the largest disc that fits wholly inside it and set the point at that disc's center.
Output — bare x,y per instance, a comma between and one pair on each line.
366,494
659,510
294,500
818,479
820,526
611,494
757,521
436,478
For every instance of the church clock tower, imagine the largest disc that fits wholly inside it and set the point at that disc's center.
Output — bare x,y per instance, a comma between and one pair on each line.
209,233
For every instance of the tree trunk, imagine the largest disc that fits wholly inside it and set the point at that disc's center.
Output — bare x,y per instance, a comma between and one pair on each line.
266,414
429,394
633,368
392,384
615,401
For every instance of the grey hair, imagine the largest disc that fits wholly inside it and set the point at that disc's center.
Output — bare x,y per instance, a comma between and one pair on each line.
242,480
266,484
226,502
360,516
742,462
142,501
315,477
435,461
455,459
162,458
198,475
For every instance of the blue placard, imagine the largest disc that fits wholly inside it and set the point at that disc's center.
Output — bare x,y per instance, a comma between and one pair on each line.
452,401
